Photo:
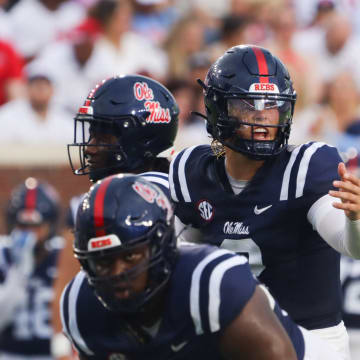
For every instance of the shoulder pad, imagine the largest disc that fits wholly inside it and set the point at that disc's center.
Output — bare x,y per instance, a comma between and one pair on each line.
185,165
310,166
158,178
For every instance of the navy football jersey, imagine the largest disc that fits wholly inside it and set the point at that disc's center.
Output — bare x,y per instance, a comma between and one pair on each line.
268,222
30,331
200,302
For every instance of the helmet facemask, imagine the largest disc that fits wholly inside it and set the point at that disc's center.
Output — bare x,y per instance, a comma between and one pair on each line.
160,246
113,157
237,112
249,75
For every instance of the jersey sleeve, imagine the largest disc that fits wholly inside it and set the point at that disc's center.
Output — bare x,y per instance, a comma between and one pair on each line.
69,312
160,179
184,168
225,284
317,171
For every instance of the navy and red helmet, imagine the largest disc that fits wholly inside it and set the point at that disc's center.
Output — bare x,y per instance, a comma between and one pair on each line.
33,203
139,111
259,78
120,213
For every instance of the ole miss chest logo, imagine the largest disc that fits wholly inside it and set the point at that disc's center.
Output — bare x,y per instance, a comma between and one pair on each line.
158,114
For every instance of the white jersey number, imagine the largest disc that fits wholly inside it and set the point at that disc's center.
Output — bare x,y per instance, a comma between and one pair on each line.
33,318
250,249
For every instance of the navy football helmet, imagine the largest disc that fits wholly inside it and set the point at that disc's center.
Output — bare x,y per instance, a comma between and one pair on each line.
118,214
33,203
140,112
248,78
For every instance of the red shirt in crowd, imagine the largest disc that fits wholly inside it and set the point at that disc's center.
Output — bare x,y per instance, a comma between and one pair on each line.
11,67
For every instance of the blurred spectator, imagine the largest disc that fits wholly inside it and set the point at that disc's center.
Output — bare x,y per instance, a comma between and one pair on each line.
74,65
191,127
28,257
211,8
185,39
4,21
101,47
234,30
35,119
330,120
199,64
333,49
308,40
126,52
283,28
37,23
11,73
341,50
351,8
153,19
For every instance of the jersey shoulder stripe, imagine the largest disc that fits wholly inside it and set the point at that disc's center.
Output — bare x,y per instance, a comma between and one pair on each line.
185,160
201,284
214,289
158,178
299,166
70,307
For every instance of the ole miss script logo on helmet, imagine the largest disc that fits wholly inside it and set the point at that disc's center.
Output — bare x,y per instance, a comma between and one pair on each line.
158,114
151,196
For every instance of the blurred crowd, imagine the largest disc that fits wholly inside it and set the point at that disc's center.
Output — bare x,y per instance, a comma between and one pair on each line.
53,51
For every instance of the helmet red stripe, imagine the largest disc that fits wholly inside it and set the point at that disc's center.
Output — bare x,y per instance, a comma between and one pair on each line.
30,199
99,207
262,65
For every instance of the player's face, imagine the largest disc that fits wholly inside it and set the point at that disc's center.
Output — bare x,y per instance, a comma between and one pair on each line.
98,153
125,265
259,113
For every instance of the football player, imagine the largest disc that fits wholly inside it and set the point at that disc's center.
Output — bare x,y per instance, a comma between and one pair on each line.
127,124
149,299
253,193
28,259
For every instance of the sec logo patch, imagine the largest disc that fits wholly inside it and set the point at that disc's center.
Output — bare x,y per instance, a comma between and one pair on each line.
206,210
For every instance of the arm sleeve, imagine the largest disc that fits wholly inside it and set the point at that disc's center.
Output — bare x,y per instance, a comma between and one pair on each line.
334,227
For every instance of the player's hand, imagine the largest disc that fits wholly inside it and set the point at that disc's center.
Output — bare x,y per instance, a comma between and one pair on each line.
22,250
348,193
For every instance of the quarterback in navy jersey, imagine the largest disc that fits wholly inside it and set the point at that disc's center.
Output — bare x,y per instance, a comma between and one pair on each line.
127,124
28,259
149,299
253,193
